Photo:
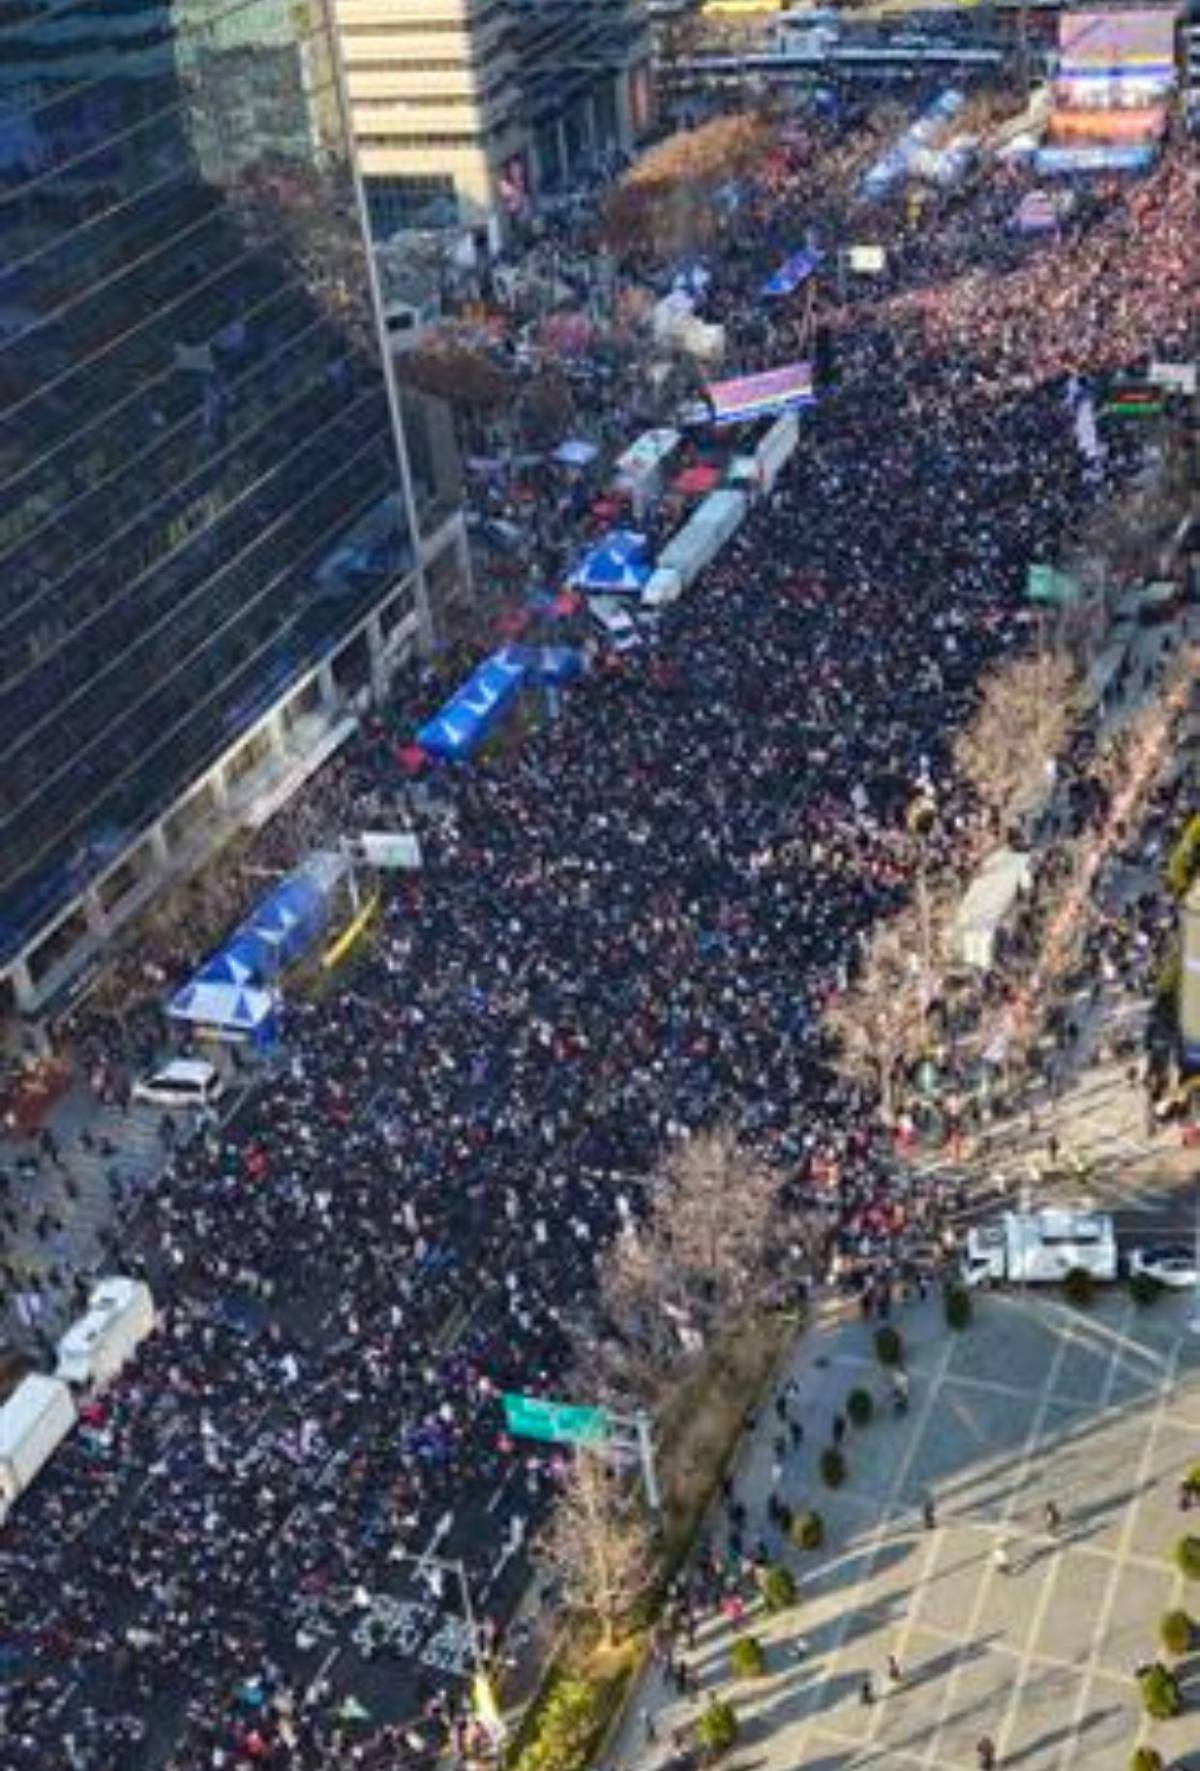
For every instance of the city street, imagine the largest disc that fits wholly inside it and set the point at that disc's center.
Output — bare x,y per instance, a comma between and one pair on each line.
1099,1412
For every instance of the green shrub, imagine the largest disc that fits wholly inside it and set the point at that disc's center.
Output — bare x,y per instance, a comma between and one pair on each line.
566,1728
1187,1557
889,1346
1146,1758
747,1659
779,1588
1192,1479
717,1729
1161,1696
860,1406
958,1307
1166,982
833,1467
808,1531
1144,1288
1184,858
1175,1632
1079,1287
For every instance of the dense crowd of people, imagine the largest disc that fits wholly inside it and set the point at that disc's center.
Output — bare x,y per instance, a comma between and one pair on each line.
623,934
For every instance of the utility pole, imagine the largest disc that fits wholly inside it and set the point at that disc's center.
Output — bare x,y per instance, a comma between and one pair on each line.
642,1427
922,814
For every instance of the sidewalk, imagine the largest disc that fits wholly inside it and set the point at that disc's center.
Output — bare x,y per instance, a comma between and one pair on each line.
72,1200
1097,1412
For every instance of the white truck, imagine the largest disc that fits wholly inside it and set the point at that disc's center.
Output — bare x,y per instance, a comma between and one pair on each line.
97,1348
33,1423
1040,1247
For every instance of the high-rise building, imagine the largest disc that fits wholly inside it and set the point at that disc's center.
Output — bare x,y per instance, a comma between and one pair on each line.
465,109
207,539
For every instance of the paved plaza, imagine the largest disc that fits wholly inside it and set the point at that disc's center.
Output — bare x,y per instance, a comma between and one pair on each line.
1099,1411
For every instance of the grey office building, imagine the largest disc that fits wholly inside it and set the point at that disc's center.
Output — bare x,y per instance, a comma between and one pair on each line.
207,547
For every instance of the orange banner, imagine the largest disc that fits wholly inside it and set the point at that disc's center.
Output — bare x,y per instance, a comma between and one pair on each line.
1145,124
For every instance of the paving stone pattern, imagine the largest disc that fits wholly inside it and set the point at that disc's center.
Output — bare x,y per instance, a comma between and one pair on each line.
1098,1411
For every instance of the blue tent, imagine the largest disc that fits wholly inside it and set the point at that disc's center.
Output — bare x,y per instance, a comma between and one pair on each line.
289,917
796,270
476,708
244,959
553,665
232,1011
619,563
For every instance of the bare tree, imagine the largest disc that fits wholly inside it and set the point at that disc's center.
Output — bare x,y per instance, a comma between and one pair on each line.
713,1203
879,1023
546,407
1017,731
665,204
598,1544
701,1257
646,1331
467,379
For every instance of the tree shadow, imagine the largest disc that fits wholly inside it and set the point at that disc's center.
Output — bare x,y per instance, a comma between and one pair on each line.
1058,1737
855,1565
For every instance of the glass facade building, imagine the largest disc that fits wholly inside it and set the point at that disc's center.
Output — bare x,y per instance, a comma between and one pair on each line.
201,480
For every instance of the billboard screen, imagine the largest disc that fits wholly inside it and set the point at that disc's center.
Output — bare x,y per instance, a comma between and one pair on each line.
1100,42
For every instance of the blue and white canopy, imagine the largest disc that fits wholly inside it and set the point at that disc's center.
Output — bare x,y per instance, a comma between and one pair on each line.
619,564
238,1011
472,711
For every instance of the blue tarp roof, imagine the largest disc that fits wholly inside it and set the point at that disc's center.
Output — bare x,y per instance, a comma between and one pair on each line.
244,959
620,562
796,270
234,1007
474,709
553,664
279,929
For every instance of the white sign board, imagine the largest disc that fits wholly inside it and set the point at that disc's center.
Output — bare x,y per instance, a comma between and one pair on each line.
397,850
1180,378
868,261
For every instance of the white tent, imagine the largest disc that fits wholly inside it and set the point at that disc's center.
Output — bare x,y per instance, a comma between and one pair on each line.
236,1011
988,901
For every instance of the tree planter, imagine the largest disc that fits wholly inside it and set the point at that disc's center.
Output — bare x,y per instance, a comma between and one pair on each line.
833,1467
1161,1696
717,1729
746,1658
860,1406
779,1588
1176,1631
808,1531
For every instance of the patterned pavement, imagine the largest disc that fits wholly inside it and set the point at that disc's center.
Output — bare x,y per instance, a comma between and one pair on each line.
1100,1412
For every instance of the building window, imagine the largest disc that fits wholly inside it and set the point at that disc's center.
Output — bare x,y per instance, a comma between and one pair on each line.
396,203
403,139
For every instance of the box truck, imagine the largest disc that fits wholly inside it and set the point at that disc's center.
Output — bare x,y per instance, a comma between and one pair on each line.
1039,1247
33,1423
97,1348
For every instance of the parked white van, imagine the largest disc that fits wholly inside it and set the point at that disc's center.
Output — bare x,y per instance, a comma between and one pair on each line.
184,1082
616,625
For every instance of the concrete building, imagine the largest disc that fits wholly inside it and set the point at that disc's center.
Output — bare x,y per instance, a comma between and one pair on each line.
466,110
211,543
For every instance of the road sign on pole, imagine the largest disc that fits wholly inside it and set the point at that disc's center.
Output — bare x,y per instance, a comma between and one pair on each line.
564,1423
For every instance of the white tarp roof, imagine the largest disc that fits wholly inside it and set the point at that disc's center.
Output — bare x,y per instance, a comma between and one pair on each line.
648,452
215,1004
988,900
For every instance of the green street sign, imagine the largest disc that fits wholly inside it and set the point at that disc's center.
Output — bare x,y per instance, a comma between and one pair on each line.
1047,585
565,1423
